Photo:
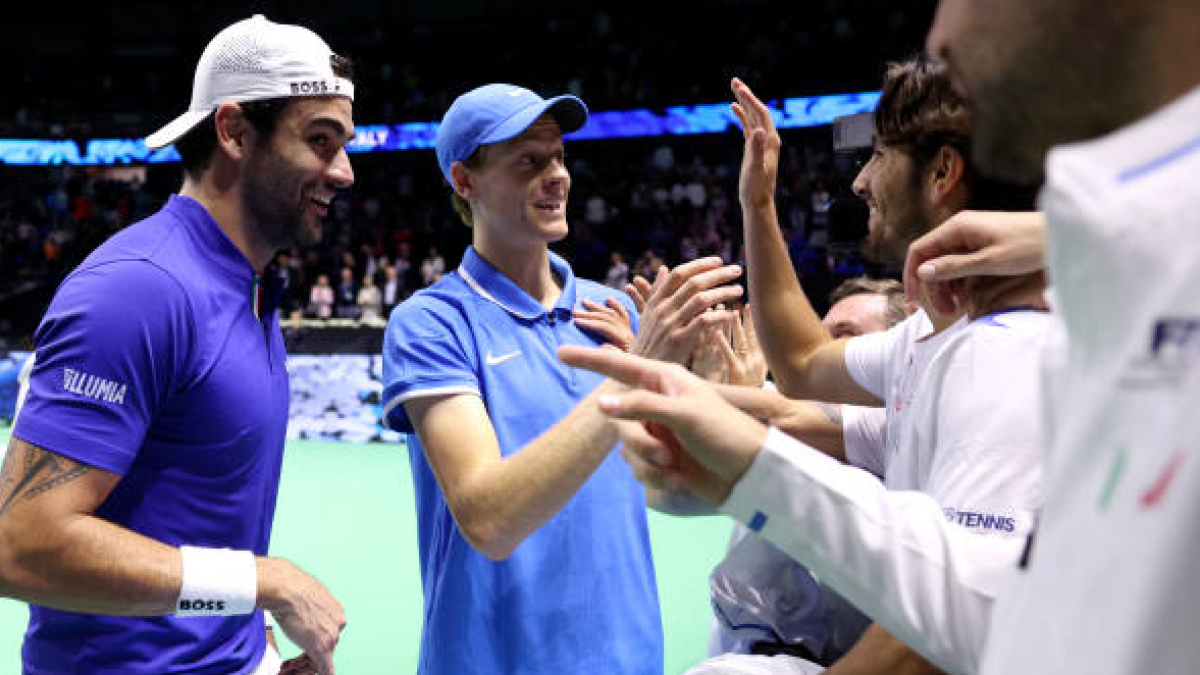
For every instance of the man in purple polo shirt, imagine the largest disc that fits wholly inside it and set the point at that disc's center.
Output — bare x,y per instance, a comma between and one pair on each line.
139,486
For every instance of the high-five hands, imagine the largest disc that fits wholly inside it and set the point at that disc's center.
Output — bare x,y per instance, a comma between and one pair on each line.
694,440
680,304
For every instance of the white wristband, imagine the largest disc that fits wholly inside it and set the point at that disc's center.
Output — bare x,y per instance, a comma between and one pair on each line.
217,582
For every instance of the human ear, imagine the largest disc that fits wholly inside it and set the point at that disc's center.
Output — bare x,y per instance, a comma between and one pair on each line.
462,181
231,128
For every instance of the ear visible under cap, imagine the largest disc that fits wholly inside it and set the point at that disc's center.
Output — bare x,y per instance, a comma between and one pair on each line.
231,128
461,180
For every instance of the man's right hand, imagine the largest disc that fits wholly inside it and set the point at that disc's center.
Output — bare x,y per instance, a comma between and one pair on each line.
303,608
697,440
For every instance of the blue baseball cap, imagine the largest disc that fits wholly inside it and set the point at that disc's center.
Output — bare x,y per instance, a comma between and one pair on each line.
495,113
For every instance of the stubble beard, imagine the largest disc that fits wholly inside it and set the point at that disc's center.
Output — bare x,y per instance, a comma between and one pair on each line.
274,206
888,244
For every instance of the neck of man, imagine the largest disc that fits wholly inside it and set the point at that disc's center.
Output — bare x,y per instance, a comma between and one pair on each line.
526,264
938,214
223,201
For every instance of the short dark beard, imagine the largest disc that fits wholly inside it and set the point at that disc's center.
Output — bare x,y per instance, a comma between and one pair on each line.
888,245
270,200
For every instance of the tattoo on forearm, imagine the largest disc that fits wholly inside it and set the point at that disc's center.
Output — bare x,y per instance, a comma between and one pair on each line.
39,472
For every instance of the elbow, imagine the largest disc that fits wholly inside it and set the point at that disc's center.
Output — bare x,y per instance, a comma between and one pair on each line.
9,557
487,536
496,551
17,555
489,542
790,382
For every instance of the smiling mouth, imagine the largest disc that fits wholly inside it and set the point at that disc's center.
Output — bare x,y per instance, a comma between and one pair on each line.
552,207
321,203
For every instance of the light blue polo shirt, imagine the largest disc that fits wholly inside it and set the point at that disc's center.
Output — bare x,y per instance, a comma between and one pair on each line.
578,595
152,364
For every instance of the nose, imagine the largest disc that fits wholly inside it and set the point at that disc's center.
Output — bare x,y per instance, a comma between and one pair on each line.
936,46
556,176
860,184
340,173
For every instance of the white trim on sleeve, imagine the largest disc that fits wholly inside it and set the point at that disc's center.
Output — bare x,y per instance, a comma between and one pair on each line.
423,393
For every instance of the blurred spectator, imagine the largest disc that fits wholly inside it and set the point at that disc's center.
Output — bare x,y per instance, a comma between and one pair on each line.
320,299
618,272
393,289
347,296
432,267
405,270
370,300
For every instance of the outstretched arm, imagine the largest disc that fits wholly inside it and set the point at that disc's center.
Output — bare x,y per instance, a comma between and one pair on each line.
499,499
892,554
804,361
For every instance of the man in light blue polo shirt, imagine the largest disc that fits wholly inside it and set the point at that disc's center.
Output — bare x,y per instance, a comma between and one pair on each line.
534,548
139,487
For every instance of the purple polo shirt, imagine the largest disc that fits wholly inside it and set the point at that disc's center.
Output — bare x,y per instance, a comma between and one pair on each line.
152,364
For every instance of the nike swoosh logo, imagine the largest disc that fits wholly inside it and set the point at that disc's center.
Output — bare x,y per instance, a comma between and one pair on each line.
496,360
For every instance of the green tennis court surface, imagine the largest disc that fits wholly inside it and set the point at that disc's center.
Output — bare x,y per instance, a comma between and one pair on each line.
346,515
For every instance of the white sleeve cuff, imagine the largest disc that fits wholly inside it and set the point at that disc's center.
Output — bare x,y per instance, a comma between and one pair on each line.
892,554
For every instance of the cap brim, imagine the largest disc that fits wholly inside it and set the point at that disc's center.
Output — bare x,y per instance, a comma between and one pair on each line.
570,113
174,129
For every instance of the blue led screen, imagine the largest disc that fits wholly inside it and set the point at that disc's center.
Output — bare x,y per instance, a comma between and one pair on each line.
709,118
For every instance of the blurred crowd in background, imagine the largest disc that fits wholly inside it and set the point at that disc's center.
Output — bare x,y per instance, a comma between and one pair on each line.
634,205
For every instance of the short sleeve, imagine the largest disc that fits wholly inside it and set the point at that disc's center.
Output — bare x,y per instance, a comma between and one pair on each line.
111,348
864,436
868,357
987,468
425,353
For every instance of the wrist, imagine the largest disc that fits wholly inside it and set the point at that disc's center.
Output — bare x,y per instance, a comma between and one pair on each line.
270,591
751,438
216,582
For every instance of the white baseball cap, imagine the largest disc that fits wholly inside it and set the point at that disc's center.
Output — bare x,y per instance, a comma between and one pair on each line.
252,60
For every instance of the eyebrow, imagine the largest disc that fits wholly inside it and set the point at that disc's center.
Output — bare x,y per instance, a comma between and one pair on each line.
334,124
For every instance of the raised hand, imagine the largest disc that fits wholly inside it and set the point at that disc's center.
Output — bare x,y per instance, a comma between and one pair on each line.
745,363
679,306
708,359
760,159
